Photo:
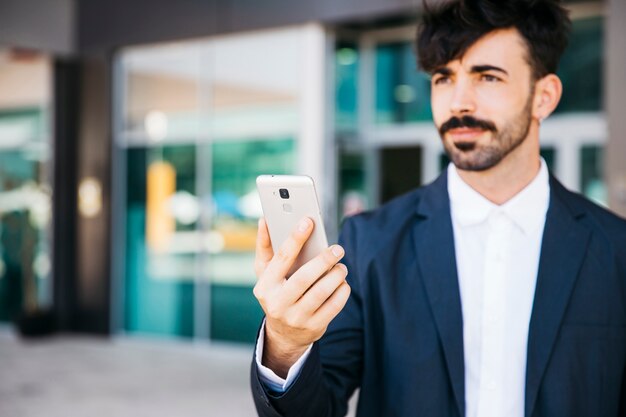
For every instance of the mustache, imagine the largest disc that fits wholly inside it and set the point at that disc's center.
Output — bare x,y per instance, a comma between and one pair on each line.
466,121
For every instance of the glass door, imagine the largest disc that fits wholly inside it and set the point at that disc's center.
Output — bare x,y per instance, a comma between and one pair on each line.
199,121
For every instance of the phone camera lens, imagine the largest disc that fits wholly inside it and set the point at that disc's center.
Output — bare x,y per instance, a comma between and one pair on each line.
284,193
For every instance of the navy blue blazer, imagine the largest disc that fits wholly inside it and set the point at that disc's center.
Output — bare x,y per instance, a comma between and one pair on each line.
400,336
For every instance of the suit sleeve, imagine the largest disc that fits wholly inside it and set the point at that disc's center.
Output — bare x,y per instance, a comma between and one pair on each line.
333,369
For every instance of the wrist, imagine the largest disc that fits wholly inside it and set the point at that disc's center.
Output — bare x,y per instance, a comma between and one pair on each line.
280,355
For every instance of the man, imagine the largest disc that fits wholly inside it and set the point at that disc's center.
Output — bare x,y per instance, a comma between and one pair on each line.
492,291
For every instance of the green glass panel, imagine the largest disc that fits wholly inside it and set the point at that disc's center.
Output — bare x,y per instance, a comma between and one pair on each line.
235,313
237,164
549,155
400,171
160,284
353,192
581,68
25,260
29,123
239,313
13,268
444,160
592,182
402,92
352,172
159,287
346,89
16,169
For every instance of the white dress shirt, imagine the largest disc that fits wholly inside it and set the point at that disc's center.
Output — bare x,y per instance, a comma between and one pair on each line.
497,255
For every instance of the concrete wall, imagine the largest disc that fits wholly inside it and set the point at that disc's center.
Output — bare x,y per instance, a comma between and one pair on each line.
616,105
46,25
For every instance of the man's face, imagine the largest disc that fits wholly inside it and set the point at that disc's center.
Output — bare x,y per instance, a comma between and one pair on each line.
482,102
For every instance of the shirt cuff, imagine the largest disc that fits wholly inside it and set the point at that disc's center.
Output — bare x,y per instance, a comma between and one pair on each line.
268,378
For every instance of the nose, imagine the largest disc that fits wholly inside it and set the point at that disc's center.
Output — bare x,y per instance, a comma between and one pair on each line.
463,99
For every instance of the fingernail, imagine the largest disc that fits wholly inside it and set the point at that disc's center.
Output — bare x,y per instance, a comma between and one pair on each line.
337,251
342,266
304,225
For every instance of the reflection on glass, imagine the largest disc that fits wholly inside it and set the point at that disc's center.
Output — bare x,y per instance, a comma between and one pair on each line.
402,92
25,184
592,182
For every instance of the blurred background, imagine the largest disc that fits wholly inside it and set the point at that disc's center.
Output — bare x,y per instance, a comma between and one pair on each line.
131,134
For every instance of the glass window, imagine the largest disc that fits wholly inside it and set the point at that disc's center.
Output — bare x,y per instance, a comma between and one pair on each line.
163,93
255,85
444,160
202,120
402,92
235,313
400,171
353,192
160,224
548,154
592,183
25,183
581,68
346,90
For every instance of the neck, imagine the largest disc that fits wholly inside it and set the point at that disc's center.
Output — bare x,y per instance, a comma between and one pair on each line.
505,180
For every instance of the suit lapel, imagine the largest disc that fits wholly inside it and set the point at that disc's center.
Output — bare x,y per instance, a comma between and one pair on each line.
563,247
434,244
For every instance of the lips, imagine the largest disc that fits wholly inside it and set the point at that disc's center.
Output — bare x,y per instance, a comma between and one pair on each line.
465,134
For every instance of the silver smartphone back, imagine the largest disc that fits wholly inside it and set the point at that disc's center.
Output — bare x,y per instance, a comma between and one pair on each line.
285,200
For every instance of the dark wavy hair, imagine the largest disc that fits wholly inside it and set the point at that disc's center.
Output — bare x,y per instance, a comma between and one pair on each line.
448,29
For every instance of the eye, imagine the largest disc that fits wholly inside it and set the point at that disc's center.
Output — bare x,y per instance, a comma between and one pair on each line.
442,79
489,78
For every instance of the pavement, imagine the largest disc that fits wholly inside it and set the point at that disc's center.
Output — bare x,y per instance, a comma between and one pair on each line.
71,376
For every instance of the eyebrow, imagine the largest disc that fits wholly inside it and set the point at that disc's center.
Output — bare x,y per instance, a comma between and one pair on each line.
485,68
445,71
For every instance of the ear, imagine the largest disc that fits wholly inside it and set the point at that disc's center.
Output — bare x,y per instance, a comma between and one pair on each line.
548,91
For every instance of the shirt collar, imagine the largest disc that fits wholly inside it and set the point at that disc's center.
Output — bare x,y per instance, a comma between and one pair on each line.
527,209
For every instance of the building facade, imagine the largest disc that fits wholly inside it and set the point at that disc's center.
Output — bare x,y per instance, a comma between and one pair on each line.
175,118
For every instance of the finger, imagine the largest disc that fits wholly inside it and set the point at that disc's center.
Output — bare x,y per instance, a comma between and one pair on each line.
307,274
332,306
286,255
322,290
264,252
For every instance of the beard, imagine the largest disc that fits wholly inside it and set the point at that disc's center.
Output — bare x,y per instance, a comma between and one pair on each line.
472,156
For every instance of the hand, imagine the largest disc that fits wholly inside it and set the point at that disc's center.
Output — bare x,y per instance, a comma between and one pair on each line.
299,309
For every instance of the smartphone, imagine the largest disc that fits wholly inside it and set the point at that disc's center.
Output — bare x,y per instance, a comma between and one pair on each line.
286,199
